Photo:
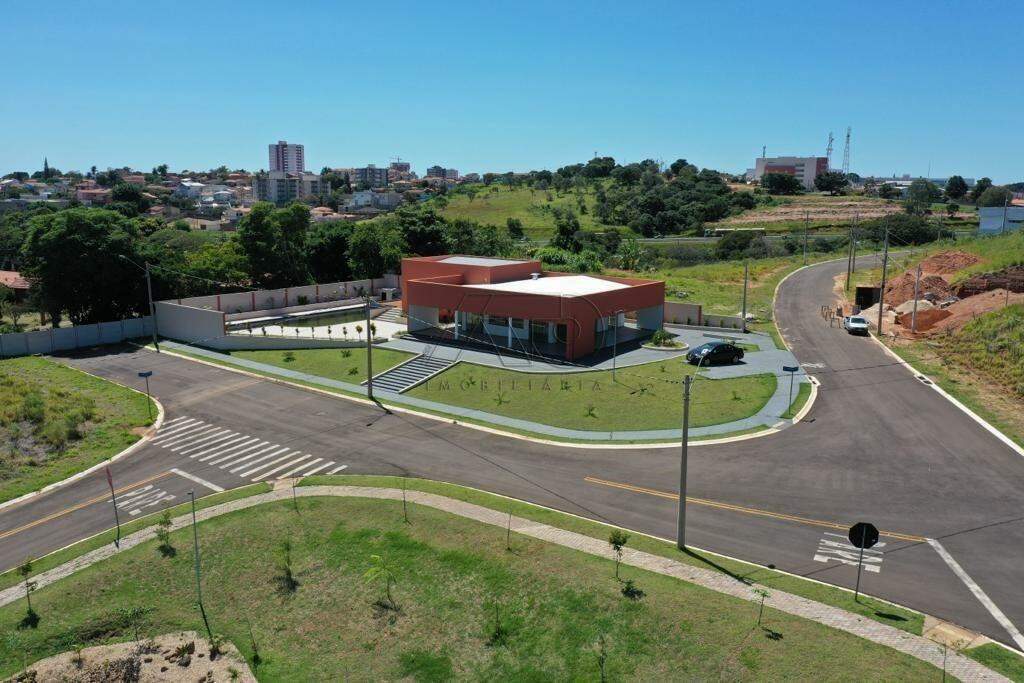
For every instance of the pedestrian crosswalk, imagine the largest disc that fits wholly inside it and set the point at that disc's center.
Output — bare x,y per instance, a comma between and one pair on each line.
241,454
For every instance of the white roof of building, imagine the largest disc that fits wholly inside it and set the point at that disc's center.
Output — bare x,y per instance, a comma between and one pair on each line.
479,261
566,285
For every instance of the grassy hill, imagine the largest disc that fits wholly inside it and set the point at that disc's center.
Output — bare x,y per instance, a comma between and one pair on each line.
497,203
463,606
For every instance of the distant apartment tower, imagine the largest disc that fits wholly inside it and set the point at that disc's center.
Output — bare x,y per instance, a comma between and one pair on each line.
400,166
370,176
806,169
283,188
287,158
441,172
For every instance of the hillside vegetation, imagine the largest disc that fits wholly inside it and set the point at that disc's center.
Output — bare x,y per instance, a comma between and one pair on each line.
55,421
992,345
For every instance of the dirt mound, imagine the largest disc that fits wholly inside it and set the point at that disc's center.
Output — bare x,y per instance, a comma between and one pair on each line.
948,262
966,310
926,319
901,289
1010,278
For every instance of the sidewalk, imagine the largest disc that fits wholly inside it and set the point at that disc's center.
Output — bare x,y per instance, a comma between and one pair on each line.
921,648
767,417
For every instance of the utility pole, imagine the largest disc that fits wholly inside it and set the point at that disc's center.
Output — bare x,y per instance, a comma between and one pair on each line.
881,292
856,216
807,222
615,342
746,275
369,353
849,259
152,306
683,455
917,288
113,500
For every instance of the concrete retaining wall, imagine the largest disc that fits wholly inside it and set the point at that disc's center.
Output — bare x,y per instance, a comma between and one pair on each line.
187,323
679,313
77,337
233,317
270,299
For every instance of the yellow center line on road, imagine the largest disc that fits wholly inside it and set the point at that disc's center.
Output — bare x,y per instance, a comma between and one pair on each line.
79,506
747,510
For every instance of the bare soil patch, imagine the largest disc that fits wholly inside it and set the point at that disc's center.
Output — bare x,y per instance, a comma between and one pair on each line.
947,262
173,657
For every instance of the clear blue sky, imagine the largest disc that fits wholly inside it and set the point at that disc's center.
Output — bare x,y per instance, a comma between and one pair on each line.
513,86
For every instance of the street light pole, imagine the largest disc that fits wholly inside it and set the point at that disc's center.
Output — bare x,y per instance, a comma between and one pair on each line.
746,276
369,353
917,289
683,457
152,307
199,583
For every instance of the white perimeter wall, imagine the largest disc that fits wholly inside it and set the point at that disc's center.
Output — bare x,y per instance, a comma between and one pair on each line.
186,323
269,299
77,337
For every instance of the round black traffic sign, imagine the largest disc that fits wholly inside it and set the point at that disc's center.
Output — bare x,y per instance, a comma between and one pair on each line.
863,535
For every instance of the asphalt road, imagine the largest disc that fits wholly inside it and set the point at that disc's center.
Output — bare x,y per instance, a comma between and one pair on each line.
879,445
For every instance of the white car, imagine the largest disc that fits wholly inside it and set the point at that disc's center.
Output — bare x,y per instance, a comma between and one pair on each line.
855,324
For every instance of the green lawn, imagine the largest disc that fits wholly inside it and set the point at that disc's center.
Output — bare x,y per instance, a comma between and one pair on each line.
530,206
55,421
554,604
346,365
803,392
999,659
642,397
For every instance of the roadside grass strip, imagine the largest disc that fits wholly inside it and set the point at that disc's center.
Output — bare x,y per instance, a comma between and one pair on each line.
463,604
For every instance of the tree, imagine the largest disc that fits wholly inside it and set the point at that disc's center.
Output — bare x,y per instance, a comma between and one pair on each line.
887,191
995,196
833,182
781,183
383,572
566,227
131,195
84,261
327,245
163,535
903,229
31,619
920,196
734,244
514,227
956,187
951,209
617,539
375,248
979,189
630,253
274,242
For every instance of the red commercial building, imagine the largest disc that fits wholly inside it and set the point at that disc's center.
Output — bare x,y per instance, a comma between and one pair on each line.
516,305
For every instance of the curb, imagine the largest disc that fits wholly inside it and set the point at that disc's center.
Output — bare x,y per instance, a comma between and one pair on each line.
104,463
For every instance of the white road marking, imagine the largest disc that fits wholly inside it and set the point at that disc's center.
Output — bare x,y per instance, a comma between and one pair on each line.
269,464
219,448
316,469
187,438
267,475
177,419
978,593
212,453
338,469
188,424
144,497
262,458
191,445
253,462
300,467
201,482
844,552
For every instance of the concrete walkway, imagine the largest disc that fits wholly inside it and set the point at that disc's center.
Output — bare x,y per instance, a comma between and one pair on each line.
767,417
919,647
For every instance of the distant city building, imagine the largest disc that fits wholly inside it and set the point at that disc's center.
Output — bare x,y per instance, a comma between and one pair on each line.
441,172
371,176
471,177
287,158
400,166
282,188
386,200
993,220
806,169
189,188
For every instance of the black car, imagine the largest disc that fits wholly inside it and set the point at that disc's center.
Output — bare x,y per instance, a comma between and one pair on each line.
715,352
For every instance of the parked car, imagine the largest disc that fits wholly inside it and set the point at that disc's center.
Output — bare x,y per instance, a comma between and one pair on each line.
715,352
855,324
